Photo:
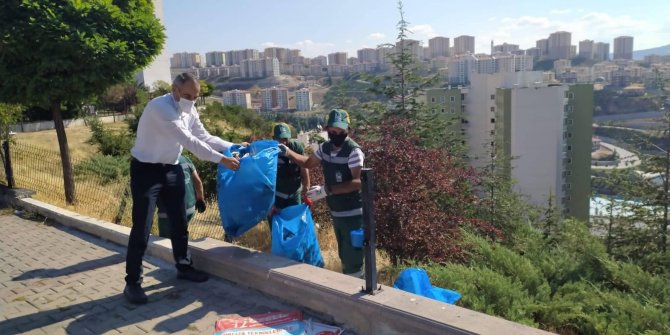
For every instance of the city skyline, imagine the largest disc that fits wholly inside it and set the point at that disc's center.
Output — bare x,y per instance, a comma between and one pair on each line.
202,26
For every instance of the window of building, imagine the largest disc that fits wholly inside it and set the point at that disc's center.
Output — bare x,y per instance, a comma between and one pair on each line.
570,121
493,96
569,135
443,99
443,110
569,147
432,99
452,99
462,97
493,109
493,132
571,95
493,120
493,143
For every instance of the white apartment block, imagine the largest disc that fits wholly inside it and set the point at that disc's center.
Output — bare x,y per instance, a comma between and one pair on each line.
186,60
464,44
460,68
586,49
383,54
623,47
601,51
367,55
303,100
337,58
319,60
439,47
215,58
237,98
260,68
275,98
559,45
235,57
159,69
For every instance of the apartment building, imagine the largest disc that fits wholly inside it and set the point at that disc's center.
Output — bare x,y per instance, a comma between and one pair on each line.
601,51
186,60
504,48
235,57
303,100
215,58
559,45
260,68
623,47
546,129
337,58
586,49
464,44
367,55
438,46
237,98
275,98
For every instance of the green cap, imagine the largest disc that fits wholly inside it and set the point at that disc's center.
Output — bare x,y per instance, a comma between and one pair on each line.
338,118
282,130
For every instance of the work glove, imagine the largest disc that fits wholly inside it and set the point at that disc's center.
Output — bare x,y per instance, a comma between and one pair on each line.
200,206
283,150
306,200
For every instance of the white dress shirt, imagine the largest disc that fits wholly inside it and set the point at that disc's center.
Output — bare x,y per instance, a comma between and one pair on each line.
163,131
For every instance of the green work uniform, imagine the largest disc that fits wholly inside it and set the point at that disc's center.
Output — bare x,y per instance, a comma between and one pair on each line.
289,179
345,209
189,198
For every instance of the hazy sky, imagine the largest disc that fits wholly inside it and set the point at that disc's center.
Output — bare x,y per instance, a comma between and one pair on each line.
320,27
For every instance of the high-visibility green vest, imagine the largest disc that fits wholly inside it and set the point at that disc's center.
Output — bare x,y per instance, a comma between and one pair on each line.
289,180
336,171
189,191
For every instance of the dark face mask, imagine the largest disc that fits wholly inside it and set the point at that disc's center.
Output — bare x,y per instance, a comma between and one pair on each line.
337,139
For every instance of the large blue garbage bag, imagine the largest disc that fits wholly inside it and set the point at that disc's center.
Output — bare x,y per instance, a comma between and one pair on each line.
246,195
294,236
416,281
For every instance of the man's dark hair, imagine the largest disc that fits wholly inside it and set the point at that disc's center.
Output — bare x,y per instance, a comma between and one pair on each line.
183,78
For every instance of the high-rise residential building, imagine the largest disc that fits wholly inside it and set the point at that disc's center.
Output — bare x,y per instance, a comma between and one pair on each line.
215,58
573,51
337,58
586,49
461,68
543,46
439,46
303,100
623,47
504,48
464,44
485,64
282,54
412,46
159,69
186,60
237,98
367,55
260,68
601,51
448,102
534,52
319,60
383,54
546,128
559,45
274,98
235,57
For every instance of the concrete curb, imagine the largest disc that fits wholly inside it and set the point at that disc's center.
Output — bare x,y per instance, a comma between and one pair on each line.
391,311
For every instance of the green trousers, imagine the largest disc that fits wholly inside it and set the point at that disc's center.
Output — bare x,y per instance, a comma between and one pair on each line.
164,225
351,258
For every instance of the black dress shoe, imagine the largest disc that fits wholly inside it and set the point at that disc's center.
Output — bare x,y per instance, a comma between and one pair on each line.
191,274
135,294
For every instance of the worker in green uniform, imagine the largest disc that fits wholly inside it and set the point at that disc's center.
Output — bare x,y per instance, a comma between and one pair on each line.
194,198
342,161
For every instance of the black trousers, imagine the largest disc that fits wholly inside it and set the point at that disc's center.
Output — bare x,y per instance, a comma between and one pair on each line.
148,182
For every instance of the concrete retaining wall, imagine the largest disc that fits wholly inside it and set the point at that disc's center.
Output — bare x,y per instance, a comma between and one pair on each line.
325,292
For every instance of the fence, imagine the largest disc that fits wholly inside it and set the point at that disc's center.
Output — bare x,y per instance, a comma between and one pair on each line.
40,170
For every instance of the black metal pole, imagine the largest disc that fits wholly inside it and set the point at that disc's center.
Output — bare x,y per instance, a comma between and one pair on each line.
370,240
9,173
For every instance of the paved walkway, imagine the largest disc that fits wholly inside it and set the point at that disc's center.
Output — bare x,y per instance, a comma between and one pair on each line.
56,280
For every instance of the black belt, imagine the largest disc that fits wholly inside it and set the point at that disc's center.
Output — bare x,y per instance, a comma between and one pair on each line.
152,164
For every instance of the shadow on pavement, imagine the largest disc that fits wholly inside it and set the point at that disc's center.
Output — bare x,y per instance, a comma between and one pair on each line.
79,267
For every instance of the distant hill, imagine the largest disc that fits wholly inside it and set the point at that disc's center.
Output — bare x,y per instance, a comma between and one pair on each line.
661,51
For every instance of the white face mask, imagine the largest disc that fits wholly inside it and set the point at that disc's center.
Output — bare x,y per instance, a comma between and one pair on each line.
185,105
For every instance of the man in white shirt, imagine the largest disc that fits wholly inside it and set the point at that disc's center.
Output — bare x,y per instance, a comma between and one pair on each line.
168,124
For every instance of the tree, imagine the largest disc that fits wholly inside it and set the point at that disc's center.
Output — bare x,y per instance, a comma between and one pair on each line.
119,97
206,89
160,88
9,115
53,52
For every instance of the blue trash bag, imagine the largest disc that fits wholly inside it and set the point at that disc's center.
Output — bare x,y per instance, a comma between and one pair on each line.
294,236
415,280
246,195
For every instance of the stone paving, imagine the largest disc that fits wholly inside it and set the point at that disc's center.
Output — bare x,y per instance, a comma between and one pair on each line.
57,280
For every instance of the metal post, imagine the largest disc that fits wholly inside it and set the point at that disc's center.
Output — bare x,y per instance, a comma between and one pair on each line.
370,240
9,173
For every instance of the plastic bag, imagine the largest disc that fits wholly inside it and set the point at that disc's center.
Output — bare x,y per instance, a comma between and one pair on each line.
246,196
294,236
415,280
